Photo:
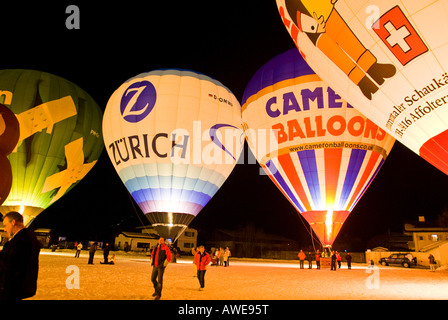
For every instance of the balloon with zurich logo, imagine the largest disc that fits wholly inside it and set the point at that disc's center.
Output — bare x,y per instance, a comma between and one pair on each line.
173,136
388,58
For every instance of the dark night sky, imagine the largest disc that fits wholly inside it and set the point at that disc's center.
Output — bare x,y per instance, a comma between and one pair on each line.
227,40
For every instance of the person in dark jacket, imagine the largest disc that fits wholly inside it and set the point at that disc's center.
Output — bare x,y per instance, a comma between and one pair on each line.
309,257
348,258
92,251
106,254
318,259
160,257
333,260
19,260
432,263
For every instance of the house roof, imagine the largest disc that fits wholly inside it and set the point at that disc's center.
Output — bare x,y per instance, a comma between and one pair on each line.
422,226
139,235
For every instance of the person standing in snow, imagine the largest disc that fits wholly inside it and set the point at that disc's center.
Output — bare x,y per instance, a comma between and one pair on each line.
348,258
78,250
227,256
318,259
106,254
160,257
221,256
432,263
302,257
309,257
201,260
92,251
333,260
338,259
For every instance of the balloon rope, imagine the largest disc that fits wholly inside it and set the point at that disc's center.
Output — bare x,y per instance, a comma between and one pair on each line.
310,231
136,213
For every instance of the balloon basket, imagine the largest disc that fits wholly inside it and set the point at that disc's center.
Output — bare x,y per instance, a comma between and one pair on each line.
325,263
325,260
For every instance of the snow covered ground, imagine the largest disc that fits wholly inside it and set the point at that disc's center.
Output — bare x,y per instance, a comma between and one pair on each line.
63,277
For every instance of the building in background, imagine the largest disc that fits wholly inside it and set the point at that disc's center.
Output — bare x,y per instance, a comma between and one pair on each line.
425,234
148,238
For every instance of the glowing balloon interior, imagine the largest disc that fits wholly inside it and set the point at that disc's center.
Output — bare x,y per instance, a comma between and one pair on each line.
59,138
319,151
388,58
174,137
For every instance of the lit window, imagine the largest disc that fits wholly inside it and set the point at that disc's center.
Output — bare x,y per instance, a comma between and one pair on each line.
434,237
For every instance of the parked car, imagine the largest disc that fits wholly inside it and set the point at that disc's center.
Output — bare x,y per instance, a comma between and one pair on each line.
397,258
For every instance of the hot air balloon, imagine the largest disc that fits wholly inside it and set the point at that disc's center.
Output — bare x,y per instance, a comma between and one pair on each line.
388,58
319,151
173,136
60,138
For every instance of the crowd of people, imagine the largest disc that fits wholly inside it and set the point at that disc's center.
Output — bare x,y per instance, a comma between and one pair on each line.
108,258
161,255
335,258
221,257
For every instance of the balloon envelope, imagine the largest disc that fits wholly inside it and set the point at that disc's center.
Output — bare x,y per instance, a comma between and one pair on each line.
388,58
60,138
319,151
174,137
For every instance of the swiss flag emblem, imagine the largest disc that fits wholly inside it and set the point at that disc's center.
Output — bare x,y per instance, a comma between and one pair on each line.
399,35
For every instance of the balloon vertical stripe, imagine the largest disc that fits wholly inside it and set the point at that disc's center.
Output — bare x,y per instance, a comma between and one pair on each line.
332,167
288,166
374,166
354,167
309,165
283,184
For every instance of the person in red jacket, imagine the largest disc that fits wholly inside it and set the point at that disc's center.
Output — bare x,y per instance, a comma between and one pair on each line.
160,256
302,257
318,259
201,260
